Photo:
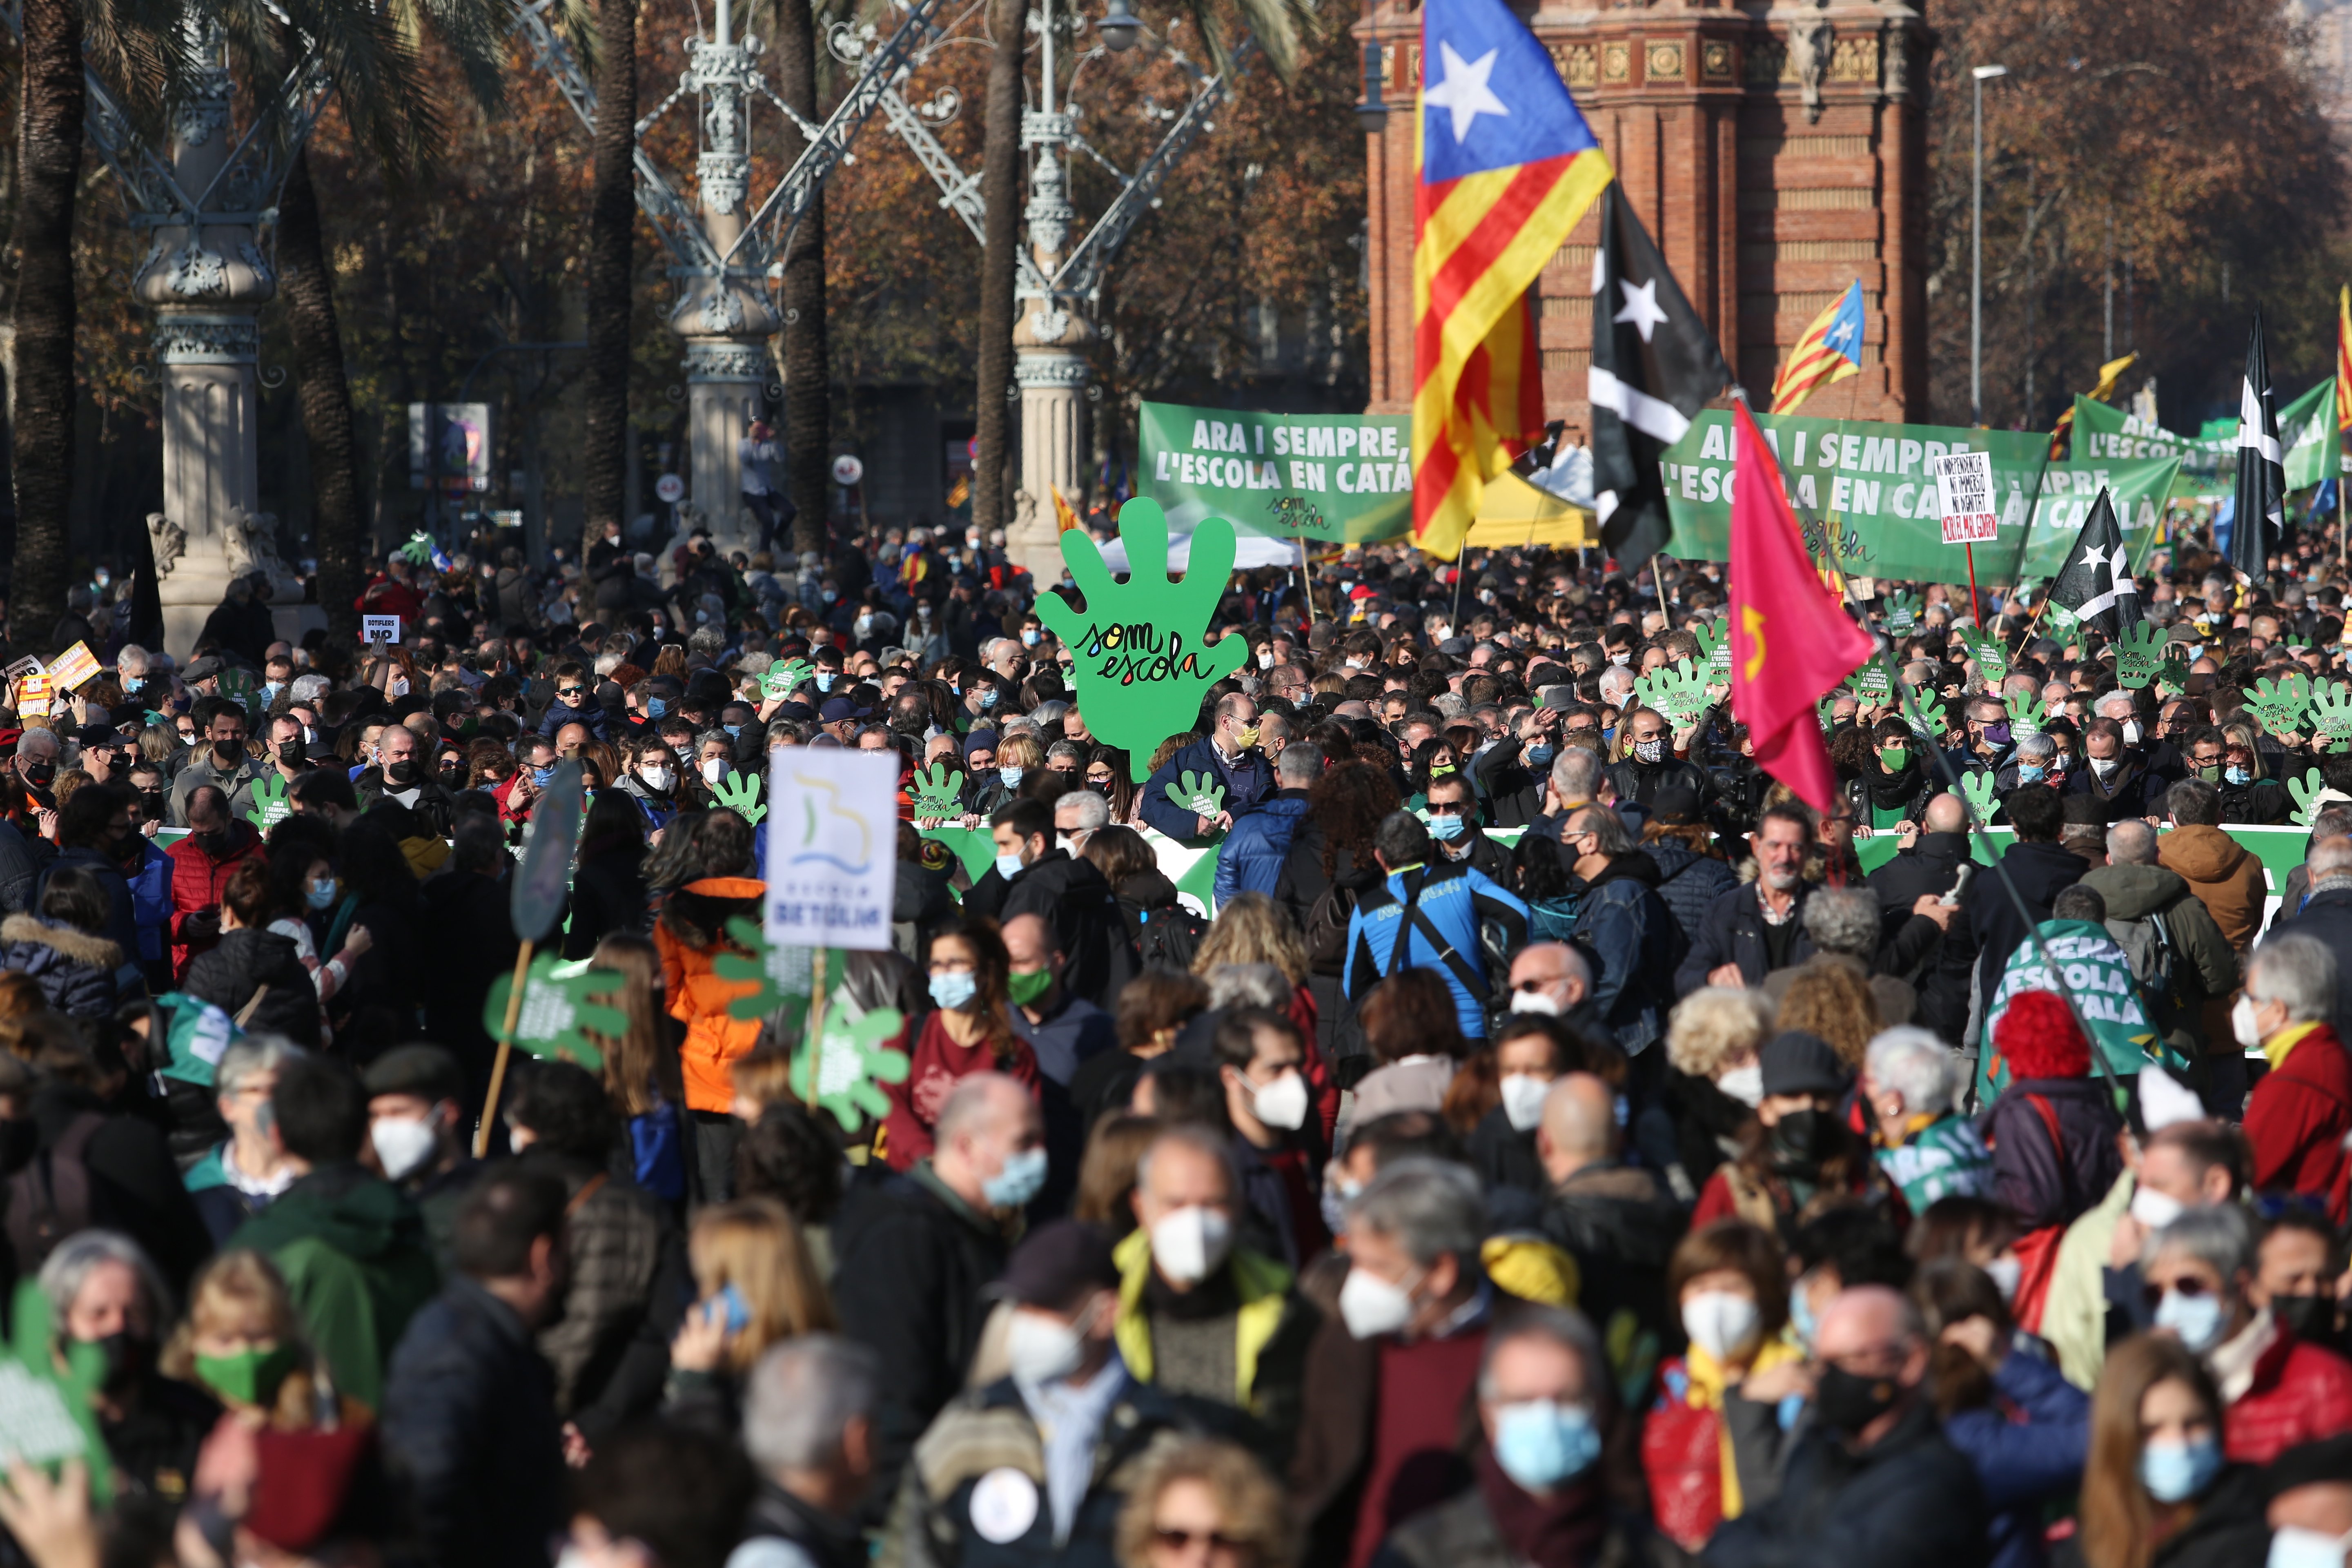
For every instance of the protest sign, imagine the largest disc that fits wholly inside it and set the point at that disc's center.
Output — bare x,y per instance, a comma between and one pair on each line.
34,696
74,667
563,1004
1344,478
2208,461
1141,665
1964,490
380,628
832,846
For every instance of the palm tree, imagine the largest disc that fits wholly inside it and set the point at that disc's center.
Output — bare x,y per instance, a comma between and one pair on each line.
325,396
1000,194
611,235
808,402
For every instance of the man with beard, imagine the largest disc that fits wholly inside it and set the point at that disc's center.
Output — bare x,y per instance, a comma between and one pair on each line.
400,775
1650,763
1757,928
224,764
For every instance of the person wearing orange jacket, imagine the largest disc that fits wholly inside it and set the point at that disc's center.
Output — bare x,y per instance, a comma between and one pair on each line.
690,935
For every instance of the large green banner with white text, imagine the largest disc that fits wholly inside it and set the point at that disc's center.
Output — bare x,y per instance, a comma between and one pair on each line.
1346,478
2209,464
1870,482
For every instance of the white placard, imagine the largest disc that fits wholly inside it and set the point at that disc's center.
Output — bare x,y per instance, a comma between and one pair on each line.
1964,484
832,846
379,628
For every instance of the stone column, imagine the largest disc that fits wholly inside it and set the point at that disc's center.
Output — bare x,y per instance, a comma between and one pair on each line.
207,279
1049,365
722,312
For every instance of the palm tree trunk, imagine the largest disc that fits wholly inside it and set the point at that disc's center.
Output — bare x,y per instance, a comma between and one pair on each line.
808,404
1000,189
326,399
48,136
612,237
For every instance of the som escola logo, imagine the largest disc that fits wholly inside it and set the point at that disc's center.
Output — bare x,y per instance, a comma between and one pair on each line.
832,833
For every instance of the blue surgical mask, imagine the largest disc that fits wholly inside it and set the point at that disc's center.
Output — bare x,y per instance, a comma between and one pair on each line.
734,732
1008,867
988,697
824,680
737,1310
1022,1176
2175,1472
2197,1320
1012,776
2237,776
1538,756
1445,828
544,776
955,989
1540,1444
1800,1315
269,691
2032,772
321,893
656,708
1029,639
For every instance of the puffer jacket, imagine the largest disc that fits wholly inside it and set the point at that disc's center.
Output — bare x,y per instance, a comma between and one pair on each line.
1253,855
75,970
2203,966
1689,883
2300,1392
233,975
689,936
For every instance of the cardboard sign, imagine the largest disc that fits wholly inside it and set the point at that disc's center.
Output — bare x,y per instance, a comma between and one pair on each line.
379,628
833,846
561,1004
32,697
1963,485
74,667
24,666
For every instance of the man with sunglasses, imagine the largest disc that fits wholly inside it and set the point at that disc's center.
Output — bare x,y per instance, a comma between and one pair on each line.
1453,822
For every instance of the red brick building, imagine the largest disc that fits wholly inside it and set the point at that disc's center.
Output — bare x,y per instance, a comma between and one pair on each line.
1776,155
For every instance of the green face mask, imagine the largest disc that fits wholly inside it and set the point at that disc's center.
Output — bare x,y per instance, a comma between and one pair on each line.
1892,758
1026,988
251,1376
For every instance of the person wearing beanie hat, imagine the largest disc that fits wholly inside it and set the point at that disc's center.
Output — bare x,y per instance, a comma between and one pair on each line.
2053,1129
1795,1155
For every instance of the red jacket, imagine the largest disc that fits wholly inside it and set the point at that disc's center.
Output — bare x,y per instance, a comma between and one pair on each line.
196,882
934,1067
2300,1392
2297,1120
388,596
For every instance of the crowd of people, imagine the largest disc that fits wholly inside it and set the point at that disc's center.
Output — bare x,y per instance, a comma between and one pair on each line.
1551,1143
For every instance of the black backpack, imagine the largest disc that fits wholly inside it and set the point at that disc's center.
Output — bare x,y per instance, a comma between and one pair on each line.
1170,938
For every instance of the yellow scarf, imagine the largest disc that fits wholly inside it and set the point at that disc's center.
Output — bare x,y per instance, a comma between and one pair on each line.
2276,1047
1707,1386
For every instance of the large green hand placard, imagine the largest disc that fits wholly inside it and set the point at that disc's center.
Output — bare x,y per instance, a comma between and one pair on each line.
1870,683
561,1002
1677,690
2305,790
240,687
939,793
1992,659
270,806
1933,720
739,793
1140,666
2024,714
1977,787
2331,715
782,677
2280,704
1901,614
2139,654
1714,646
45,1416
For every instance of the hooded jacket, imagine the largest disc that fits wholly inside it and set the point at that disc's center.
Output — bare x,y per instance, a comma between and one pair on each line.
75,970
1689,883
1070,895
2298,1119
353,1251
2053,1148
2204,964
2223,874
689,936
232,977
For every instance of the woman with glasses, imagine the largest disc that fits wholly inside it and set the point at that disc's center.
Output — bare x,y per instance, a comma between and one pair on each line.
1106,774
1204,1503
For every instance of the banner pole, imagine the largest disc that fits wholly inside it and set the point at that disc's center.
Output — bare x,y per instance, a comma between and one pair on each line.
506,1049
1975,609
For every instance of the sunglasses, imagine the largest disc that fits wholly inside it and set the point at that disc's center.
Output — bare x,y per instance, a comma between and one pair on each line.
2189,1289
1177,1540
1447,807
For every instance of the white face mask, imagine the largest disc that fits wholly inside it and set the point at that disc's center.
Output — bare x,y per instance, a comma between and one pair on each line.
2155,1210
2293,1546
1721,1323
713,770
2131,731
1191,1243
2242,1025
2105,766
1744,1084
1535,1002
1370,1306
1282,1104
2006,1274
1523,1100
658,780
1266,658
401,1143
1043,1348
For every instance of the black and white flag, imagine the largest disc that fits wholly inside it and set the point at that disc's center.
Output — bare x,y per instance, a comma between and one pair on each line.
2095,583
2258,506
1654,366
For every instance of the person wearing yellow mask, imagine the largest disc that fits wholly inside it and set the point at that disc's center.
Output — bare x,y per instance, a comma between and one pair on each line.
1227,758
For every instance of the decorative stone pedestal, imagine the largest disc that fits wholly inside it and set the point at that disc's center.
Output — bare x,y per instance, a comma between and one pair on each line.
1049,365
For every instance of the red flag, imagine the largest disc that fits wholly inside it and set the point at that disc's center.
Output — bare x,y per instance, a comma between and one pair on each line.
1791,639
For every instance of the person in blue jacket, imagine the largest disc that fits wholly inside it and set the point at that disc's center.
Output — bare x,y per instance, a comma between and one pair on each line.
2024,1428
574,702
1227,757
1252,858
1435,909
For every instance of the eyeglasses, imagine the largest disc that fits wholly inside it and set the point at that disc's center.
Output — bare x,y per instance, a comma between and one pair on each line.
1448,807
1177,1540
2189,1286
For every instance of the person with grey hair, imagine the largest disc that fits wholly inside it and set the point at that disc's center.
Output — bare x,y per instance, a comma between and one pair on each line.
1429,913
247,1171
1912,1082
2178,956
1545,1400
808,1425
2331,821
2300,1113
1389,1372
1253,854
104,1291
2321,907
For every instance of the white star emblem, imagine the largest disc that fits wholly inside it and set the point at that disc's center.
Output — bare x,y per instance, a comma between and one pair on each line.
1641,307
1465,90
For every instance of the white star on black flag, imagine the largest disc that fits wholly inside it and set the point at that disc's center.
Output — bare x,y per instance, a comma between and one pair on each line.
2095,583
2258,505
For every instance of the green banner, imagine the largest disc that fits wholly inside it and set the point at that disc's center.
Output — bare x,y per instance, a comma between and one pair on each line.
1871,481
1345,479
2208,460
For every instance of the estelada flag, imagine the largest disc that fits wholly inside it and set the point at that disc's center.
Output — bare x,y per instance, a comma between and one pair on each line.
1791,639
1504,166
1829,350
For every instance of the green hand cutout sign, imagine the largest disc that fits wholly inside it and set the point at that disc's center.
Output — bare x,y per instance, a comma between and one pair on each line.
1677,690
1977,788
1196,792
45,1416
270,806
739,793
1714,646
1932,721
782,677
2280,704
238,686
783,975
1140,666
938,793
1901,612
2331,715
2305,790
2139,654
2024,714
850,1059
1992,659
1870,683
562,1002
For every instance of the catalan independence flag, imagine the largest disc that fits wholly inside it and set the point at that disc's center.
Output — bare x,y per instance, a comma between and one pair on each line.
1829,350
1505,165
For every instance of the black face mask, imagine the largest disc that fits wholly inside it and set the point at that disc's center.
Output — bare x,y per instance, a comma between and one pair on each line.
401,773
290,753
19,1139
127,1356
214,843
40,774
1847,1404
150,805
117,764
2306,1317
1796,1140
229,752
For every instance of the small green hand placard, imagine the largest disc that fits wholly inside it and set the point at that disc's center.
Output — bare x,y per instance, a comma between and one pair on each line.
1714,646
850,1062
1901,614
1977,788
1677,691
785,976
1992,659
46,1417
2139,654
1196,793
739,793
1870,683
1141,667
270,806
939,793
238,686
2169,690
562,1002
1932,719
2305,790
2331,715
2024,714
418,550
784,677
1825,710
2280,704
